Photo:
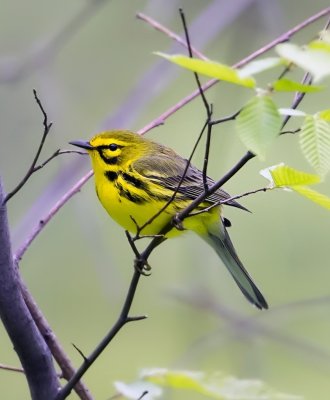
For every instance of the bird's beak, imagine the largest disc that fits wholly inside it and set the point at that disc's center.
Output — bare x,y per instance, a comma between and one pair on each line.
83,144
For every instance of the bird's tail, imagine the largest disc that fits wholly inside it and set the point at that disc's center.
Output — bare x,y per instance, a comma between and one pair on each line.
222,244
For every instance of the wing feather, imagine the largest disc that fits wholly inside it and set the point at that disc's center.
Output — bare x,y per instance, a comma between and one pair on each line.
166,169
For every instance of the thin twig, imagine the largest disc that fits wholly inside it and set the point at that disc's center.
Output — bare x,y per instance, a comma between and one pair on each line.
54,345
40,53
228,200
12,369
160,119
190,52
251,326
123,318
282,38
172,35
121,321
231,117
208,107
50,214
55,154
298,97
80,352
172,198
47,126
9,368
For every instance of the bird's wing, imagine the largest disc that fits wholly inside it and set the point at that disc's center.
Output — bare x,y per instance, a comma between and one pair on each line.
167,169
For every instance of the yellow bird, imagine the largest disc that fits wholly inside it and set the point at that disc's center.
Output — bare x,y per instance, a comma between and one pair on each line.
136,177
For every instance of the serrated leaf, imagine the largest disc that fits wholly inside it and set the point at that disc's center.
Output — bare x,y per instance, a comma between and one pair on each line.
211,69
255,67
316,197
258,124
325,114
314,142
314,61
292,112
287,85
284,176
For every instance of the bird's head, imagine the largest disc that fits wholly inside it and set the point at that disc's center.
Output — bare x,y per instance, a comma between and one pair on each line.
111,150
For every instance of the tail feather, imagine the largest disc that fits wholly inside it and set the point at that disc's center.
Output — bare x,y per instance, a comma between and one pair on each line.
223,246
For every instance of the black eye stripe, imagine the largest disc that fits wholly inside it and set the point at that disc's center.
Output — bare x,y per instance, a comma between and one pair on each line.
105,158
108,147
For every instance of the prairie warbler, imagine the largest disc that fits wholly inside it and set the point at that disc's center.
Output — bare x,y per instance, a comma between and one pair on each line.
136,177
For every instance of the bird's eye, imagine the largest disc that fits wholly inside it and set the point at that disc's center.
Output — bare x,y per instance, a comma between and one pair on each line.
113,147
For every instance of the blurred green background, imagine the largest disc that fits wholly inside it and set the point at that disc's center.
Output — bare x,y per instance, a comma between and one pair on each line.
92,65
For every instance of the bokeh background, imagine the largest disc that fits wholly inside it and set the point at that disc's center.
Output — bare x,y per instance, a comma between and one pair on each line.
92,65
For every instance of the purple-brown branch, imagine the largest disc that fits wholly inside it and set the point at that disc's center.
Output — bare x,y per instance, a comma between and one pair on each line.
30,346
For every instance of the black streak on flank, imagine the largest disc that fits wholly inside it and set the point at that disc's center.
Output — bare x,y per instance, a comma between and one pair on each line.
128,195
111,175
138,183
134,181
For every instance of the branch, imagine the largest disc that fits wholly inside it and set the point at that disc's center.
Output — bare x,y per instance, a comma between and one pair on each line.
226,201
47,126
25,336
50,214
282,38
140,261
212,189
122,320
11,369
55,347
40,52
252,326
159,120
161,28
298,97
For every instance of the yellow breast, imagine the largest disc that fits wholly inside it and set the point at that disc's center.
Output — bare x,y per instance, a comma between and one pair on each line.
132,208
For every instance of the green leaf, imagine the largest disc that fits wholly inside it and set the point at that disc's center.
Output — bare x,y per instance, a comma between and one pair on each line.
284,176
325,114
319,45
176,379
217,386
210,68
314,141
314,61
310,194
287,85
255,67
258,124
